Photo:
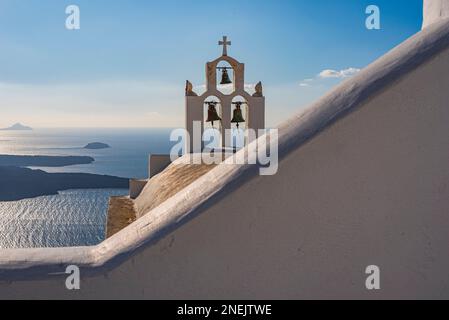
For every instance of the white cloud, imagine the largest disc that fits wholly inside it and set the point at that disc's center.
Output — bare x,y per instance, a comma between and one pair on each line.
345,73
328,74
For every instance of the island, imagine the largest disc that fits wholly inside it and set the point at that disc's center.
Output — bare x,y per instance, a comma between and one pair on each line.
17,127
97,145
43,161
21,183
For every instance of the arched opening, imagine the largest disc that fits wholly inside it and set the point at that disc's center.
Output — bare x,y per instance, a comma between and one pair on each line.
213,113
225,77
239,121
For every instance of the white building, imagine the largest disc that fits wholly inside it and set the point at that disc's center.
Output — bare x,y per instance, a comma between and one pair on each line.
254,113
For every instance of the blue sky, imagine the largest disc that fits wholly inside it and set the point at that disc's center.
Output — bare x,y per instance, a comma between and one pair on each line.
128,63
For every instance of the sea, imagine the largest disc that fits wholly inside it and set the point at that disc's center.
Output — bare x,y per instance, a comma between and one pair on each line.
74,217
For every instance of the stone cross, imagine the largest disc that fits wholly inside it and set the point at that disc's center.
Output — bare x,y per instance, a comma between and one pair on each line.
225,43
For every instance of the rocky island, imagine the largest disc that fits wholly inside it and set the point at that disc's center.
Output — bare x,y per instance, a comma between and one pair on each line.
43,161
20,183
97,146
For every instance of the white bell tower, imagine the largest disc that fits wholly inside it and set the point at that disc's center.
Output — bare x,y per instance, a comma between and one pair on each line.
195,105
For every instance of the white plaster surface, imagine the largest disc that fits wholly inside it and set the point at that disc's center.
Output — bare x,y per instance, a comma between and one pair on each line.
364,179
434,11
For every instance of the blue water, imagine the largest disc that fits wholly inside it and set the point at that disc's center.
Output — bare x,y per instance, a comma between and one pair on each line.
74,217
127,157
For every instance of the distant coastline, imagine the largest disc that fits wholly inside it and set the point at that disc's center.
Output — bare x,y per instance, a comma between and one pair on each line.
43,161
21,183
17,127
18,182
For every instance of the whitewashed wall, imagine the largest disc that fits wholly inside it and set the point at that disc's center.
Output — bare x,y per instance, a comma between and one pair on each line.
435,10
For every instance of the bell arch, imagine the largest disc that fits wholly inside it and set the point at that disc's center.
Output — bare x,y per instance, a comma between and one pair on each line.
239,105
213,116
239,121
238,70
225,78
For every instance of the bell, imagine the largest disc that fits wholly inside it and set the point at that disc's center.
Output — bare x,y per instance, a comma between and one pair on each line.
237,116
225,77
212,114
